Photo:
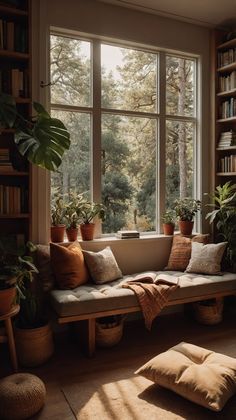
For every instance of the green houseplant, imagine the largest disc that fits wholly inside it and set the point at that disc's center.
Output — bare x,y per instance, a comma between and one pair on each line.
168,222
58,211
71,215
41,139
16,269
185,210
86,212
224,217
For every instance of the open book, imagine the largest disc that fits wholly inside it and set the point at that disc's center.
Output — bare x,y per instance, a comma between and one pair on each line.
151,277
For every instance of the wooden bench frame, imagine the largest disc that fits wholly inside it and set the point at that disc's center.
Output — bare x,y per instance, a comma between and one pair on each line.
91,317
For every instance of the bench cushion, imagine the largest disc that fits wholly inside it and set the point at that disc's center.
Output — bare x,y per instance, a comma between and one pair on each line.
90,298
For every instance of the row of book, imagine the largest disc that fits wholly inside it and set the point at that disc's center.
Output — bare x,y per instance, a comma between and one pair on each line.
13,36
14,82
228,164
227,139
226,57
228,108
5,163
228,82
13,199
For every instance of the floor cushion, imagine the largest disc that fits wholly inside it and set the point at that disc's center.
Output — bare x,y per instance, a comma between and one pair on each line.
200,375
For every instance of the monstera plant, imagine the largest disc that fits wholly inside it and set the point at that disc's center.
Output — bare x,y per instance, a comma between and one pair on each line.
41,139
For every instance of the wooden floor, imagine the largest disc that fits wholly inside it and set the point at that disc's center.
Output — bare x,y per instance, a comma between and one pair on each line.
69,362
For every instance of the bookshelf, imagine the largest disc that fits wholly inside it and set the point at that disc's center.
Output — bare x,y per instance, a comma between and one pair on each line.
15,79
224,103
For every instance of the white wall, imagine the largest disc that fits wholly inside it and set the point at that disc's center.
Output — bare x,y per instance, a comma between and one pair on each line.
104,20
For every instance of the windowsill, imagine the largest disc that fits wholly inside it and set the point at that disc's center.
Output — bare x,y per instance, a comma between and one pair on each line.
144,237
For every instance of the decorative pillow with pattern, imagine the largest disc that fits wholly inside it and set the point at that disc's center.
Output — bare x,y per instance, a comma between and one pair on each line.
206,259
102,265
181,251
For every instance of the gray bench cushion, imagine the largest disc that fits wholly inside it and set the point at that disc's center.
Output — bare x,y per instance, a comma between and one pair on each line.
90,298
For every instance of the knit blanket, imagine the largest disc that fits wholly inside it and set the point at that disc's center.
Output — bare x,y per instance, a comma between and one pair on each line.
153,293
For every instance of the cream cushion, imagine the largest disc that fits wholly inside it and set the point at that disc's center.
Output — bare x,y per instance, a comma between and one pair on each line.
102,265
202,376
206,259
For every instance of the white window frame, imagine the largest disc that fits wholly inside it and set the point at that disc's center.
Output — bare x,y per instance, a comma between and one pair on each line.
160,115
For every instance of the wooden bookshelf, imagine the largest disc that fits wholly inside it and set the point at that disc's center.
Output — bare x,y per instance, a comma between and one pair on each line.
15,79
224,108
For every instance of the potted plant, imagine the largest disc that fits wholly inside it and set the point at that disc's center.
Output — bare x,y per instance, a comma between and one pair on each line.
41,139
71,216
15,268
185,210
168,219
58,210
86,212
224,217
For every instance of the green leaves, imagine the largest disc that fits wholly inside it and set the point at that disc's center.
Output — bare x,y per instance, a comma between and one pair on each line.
42,139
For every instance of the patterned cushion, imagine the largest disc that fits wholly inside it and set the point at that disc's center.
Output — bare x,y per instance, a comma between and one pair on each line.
102,265
200,375
206,259
181,251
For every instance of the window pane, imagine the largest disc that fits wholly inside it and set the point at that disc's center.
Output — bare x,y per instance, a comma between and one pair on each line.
179,160
180,86
128,79
129,172
70,71
74,172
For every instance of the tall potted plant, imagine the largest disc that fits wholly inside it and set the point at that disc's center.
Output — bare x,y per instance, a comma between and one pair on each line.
71,216
86,211
186,209
224,217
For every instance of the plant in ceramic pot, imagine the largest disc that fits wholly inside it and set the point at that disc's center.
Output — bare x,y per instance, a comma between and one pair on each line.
16,268
86,211
58,210
185,210
224,217
168,222
71,216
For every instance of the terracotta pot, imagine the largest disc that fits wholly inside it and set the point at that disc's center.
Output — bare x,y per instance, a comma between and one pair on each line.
58,233
87,231
186,227
168,228
72,234
7,300
34,346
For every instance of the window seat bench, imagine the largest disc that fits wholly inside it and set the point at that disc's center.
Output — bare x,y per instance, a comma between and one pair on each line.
91,301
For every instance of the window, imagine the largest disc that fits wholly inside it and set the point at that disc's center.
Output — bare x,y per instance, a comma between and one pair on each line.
114,100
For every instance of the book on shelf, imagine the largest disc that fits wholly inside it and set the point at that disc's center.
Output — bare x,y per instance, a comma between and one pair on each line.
227,164
226,57
227,139
227,83
13,36
15,82
126,234
13,199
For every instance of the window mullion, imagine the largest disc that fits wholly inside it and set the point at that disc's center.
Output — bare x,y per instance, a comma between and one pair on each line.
161,175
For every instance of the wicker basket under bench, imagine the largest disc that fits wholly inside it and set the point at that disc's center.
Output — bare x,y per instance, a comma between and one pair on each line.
90,301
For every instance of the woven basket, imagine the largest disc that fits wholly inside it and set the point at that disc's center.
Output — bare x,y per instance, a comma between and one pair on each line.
108,336
209,312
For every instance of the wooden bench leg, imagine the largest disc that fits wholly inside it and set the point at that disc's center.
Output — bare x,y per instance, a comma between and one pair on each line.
91,337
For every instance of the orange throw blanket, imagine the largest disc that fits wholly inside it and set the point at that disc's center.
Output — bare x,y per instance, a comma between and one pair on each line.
153,293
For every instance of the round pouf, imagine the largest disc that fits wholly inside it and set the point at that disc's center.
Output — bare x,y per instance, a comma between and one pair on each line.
21,396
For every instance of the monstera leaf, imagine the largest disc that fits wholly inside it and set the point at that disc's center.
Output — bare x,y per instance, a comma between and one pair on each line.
42,140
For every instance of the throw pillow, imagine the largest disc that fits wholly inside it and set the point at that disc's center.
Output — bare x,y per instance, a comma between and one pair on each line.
102,265
68,265
181,251
198,374
206,259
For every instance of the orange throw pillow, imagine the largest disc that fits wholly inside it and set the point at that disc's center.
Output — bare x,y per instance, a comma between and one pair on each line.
68,265
180,253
